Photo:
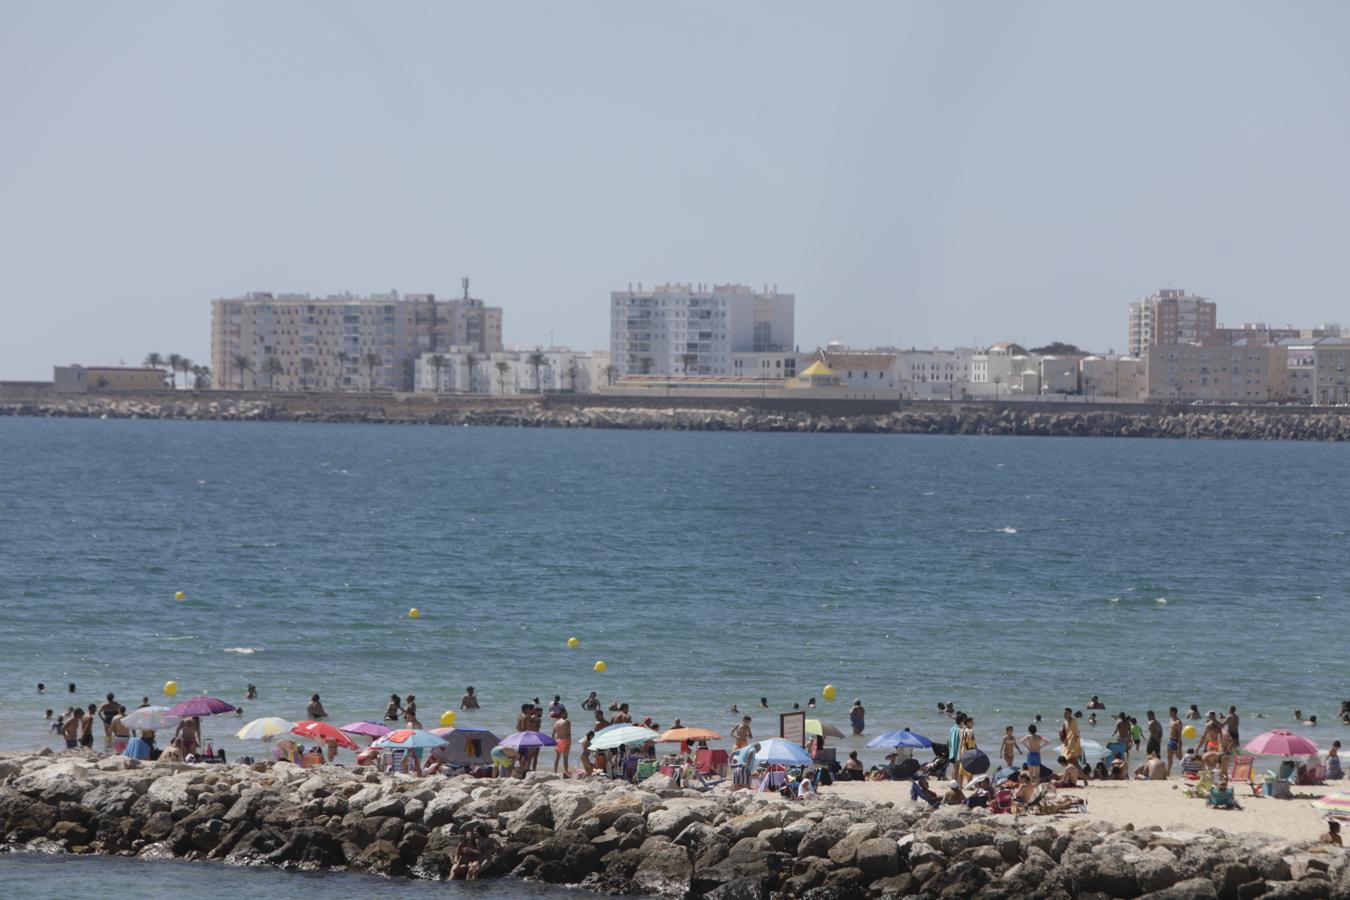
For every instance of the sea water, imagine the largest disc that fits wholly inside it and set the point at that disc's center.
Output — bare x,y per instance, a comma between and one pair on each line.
1012,576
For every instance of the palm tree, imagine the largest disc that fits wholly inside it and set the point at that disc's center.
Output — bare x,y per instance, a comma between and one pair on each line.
645,365
272,367
688,359
611,373
201,377
186,365
244,365
153,361
343,359
470,360
370,360
537,361
437,361
502,368
175,362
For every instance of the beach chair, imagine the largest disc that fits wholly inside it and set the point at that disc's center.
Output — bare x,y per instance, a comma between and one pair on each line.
1241,773
1201,788
1222,798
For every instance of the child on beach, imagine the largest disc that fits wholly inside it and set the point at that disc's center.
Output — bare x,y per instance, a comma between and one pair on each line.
1034,744
1009,746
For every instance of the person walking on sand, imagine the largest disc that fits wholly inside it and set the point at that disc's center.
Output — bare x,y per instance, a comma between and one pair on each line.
1174,749
562,734
857,716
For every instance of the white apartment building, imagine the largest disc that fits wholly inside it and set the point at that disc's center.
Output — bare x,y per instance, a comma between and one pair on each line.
1237,373
764,365
687,329
1318,370
1058,374
1122,377
341,342
935,374
508,372
1169,316
993,368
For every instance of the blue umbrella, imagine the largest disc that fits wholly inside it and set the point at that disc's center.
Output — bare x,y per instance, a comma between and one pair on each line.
776,751
1005,773
137,749
902,738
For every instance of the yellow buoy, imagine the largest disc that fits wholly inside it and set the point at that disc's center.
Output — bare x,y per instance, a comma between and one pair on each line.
414,613
447,718
829,693
170,687
600,665
573,643
180,596
1188,732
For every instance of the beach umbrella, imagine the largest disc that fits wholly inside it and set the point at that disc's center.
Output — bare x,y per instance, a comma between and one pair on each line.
369,729
902,738
461,731
322,731
408,739
200,706
524,740
1280,743
698,734
776,751
976,762
264,729
824,729
1005,773
150,718
137,749
628,734
1337,803
1092,751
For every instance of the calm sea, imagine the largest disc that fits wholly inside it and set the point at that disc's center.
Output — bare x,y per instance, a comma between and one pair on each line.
1013,576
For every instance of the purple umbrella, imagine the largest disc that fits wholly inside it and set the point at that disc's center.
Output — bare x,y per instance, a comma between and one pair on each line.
370,729
522,740
200,706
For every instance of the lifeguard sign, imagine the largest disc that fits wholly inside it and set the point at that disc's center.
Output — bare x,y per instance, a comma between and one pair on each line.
792,727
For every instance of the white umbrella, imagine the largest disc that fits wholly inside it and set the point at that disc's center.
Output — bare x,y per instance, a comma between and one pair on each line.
629,734
264,729
1092,750
150,718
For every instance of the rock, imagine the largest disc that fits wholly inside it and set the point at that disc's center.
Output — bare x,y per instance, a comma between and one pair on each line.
665,869
568,805
820,837
769,815
1190,889
382,807
878,858
535,811
673,816
441,809
605,813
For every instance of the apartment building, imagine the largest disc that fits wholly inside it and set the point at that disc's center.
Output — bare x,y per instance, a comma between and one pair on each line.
1241,372
297,342
693,329
1170,316
1318,370
1121,377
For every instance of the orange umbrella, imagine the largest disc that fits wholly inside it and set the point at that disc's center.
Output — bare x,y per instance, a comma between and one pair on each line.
691,734
322,731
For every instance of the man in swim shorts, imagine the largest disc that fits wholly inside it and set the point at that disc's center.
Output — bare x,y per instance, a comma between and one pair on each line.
1034,744
71,729
562,733
1174,750
120,733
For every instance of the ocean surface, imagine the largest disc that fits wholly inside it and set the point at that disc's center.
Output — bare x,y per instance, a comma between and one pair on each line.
1013,576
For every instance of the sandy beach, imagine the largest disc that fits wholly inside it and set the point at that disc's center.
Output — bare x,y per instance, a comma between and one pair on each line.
1150,803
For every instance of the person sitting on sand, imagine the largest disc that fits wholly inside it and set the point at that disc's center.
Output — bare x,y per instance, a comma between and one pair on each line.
1191,764
1072,776
1333,834
1099,772
1222,796
1152,769
173,753
585,756
1025,791
853,767
954,795
806,788
919,791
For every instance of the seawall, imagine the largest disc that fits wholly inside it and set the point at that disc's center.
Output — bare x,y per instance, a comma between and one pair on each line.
617,838
708,414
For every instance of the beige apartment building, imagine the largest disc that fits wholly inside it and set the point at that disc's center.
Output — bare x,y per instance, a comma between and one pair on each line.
1170,316
295,342
83,379
1242,372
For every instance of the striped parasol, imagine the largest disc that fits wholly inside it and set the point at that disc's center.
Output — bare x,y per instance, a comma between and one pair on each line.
1337,803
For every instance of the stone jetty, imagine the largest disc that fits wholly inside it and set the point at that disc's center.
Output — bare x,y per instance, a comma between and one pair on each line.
1244,423
615,838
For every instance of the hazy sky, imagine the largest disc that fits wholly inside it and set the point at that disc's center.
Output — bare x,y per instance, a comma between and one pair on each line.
924,174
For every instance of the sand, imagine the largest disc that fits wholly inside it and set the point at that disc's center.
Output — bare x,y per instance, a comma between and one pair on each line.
1161,803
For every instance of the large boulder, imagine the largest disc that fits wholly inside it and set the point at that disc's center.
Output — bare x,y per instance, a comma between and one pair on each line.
844,852
675,815
535,811
110,798
823,835
441,809
761,818
665,868
878,857
569,804
605,813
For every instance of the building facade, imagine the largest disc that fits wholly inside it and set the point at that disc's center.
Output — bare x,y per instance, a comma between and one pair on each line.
1170,316
509,372
82,379
1120,377
686,329
344,342
1235,373
1318,370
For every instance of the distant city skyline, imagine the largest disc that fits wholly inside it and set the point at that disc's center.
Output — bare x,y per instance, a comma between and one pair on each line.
916,175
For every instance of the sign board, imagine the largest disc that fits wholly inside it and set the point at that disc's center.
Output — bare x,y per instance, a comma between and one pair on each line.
792,727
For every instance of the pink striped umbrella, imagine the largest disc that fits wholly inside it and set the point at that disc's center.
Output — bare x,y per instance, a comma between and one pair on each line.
1280,743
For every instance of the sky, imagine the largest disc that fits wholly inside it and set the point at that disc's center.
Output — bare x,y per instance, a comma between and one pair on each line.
917,174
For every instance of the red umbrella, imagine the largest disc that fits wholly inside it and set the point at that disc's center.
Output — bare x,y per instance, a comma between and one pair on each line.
1281,743
322,731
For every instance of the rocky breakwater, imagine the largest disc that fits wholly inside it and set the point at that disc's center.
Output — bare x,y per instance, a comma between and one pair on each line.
83,407
618,839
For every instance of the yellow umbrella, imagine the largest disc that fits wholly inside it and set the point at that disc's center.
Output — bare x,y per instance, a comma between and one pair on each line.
815,726
264,729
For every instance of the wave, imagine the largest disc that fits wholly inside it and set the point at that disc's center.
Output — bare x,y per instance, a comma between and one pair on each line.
1007,530
248,651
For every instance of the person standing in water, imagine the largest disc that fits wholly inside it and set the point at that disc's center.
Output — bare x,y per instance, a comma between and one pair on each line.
857,717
